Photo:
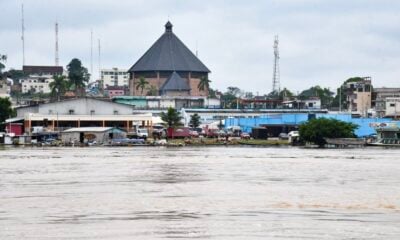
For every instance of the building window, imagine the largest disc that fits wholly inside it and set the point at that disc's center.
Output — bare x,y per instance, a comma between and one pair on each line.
92,112
71,111
392,105
115,112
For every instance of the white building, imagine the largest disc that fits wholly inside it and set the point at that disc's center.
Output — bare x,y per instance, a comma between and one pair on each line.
114,77
39,78
392,107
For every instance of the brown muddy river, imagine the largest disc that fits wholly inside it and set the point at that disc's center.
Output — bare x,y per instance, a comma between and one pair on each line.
199,192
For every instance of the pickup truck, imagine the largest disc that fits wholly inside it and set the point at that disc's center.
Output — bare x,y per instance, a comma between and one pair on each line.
138,133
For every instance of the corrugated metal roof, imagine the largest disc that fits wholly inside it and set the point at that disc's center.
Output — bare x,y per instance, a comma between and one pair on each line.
89,129
42,69
175,83
169,53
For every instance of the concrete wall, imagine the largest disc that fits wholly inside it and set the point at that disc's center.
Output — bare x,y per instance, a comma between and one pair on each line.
24,110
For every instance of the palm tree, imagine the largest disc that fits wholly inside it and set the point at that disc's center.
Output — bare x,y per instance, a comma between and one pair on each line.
172,117
58,86
204,83
153,91
141,84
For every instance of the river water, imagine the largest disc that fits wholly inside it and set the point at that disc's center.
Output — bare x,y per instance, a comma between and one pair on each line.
199,192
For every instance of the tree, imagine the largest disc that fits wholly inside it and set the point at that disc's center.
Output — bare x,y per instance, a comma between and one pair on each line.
172,117
152,91
195,120
285,93
142,83
5,111
212,93
248,95
78,75
16,75
3,58
324,94
58,86
316,130
229,98
204,83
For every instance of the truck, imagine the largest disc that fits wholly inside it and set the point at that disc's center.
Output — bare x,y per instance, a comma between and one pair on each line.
178,132
137,133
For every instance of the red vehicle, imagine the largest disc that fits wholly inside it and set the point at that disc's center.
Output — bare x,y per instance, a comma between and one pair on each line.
178,132
212,133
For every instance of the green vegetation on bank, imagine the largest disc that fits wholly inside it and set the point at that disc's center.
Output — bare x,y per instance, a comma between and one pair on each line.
317,130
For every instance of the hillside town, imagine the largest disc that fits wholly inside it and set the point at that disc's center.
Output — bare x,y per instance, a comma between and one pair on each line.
51,102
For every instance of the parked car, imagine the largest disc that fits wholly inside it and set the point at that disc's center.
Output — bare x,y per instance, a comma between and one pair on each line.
283,136
194,133
222,133
213,133
244,135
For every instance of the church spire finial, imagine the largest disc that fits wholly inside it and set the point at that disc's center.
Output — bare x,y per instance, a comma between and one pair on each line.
168,26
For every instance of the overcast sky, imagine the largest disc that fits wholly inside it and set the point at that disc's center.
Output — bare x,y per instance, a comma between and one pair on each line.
322,42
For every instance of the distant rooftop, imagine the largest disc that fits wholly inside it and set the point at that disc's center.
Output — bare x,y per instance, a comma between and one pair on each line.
52,70
169,53
175,83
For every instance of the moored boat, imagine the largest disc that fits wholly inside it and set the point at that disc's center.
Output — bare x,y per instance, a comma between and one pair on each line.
388,134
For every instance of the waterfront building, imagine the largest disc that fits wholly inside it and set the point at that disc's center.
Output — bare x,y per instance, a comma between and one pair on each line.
114,77
286,122
38,78
169,67
392,108
81,112
379,99
101,135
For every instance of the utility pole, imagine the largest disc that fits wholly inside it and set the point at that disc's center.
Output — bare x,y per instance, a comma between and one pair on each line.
56,52
340,99
276,74
101,87
91,54
23,35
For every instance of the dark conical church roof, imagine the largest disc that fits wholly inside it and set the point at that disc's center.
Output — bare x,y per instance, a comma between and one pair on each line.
175,83
169,53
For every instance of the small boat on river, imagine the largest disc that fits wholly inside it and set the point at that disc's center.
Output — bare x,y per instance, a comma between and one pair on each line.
388,134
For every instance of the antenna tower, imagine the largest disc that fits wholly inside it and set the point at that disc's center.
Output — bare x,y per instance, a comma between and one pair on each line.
23,34
56,53
275,78
100,78
91,54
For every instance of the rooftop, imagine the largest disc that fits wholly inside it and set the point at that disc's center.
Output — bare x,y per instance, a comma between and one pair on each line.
169,53
53,70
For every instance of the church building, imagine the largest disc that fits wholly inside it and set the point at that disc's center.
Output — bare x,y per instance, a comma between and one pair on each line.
169,68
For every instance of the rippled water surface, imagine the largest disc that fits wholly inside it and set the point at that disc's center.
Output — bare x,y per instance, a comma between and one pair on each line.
203,193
